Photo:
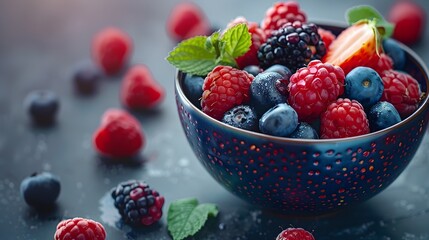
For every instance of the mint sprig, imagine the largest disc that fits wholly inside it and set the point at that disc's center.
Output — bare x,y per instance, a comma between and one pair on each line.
200,54
186,217
368,13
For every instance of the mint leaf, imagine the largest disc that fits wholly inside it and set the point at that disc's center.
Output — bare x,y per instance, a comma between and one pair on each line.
186,217
192,56
237,40
365,12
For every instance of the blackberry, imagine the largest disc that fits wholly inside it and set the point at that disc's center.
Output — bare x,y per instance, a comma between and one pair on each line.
293,45
137,203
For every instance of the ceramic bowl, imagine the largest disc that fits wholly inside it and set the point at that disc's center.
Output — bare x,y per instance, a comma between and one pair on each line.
301,177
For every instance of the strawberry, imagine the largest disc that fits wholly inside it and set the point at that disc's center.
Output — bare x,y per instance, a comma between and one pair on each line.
355,46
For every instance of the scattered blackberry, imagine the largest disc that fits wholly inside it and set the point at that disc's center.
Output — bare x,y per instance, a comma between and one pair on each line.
293,45
137,203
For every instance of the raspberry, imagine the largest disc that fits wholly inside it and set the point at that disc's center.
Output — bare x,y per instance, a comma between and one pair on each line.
327,36
111,49
295,234
402,91
140,90
186,20
258,38
119,135
344,118
80,228
380,63
224,88
281,13
293,45
137,203
313,88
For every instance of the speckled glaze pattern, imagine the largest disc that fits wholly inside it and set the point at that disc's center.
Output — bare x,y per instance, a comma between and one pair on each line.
304,177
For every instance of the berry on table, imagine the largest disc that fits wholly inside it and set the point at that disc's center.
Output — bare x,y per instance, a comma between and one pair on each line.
382,115
224,88
313,88
293,45
304,131
402,91
139,90
281,120
193,88
281,13
138,204
111,50
344,118
364,85
264,93
42,105
79,228
395,52
86,77
40,190
119,135
241,116
295,234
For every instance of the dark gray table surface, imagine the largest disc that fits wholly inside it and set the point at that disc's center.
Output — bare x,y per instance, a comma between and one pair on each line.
42,40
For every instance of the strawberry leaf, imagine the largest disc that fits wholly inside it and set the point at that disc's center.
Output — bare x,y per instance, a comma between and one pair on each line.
368,13
237,40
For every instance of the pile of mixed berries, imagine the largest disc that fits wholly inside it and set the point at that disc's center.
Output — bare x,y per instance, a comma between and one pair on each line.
299,80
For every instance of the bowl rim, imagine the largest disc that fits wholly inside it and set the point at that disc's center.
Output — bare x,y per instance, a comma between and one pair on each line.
423,105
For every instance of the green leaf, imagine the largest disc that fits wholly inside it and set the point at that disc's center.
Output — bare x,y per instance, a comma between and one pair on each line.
186,217
368,13
237,40
192,56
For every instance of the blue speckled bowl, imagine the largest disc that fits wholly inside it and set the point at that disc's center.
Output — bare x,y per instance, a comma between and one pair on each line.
296,176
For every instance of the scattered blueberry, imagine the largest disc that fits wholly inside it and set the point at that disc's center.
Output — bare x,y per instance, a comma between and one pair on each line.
304,131
263,92
86,77
241,116
391,47
382,115
253,69
40,190
364,85
281,120
42,105
281,84
193,88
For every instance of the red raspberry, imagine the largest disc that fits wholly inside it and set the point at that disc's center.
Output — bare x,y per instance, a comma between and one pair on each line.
295,234
409,19
344,118
402,91
258,38
80,228
140,90
224,88
111,50
313,88
281,13
119,135
327,37
186,20
380,63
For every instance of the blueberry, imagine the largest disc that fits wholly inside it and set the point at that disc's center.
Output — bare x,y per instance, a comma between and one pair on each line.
40,190
391,47
281,120
281,84
42,105
382,115
304,131
241,116
364,85
263,92
252,69
193,88
86,77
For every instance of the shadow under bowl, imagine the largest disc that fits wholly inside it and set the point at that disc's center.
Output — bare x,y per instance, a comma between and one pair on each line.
299,176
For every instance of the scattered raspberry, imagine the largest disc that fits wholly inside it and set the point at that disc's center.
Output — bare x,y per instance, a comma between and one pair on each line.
187,20
111,49
137,203
402,91
380,63
258,37
281,13
344,118
80,228
313,88
224,88
119,135
140,90
295,234
327,36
